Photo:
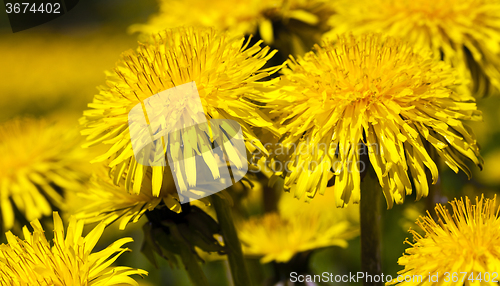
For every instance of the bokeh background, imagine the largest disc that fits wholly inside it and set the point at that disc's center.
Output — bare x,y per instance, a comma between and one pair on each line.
52,71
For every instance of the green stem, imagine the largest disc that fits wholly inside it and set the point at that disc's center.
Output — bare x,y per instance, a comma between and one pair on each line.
232,243
371,222
190,261
270,195
193,268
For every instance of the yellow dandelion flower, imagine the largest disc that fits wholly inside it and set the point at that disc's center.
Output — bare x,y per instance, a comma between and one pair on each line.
464,33
372,99
63,69
39,160
68,261
297,227
278,238
289,206
226,71
303,18
466,241
242,17
105,201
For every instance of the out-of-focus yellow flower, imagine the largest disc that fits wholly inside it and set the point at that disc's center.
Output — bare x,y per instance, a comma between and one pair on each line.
410,213
491,174
278,238
226,71
301,18
371,98
68,261
288,206
39,160
241,17
464,33
45,72
108,202
298,226
466,241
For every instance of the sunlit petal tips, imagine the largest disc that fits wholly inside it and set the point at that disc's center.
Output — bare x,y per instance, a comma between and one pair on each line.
68,260
371,100
465,241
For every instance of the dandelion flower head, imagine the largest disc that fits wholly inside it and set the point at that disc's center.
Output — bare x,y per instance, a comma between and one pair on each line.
371,100
238,17
107,201
39,160
278,238
466,240
67,261
464,33
226,71
299,226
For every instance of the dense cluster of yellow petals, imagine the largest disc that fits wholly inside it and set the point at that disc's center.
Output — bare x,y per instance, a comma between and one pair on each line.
464,33
377,93
465,241
226,71
68,261
39,160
